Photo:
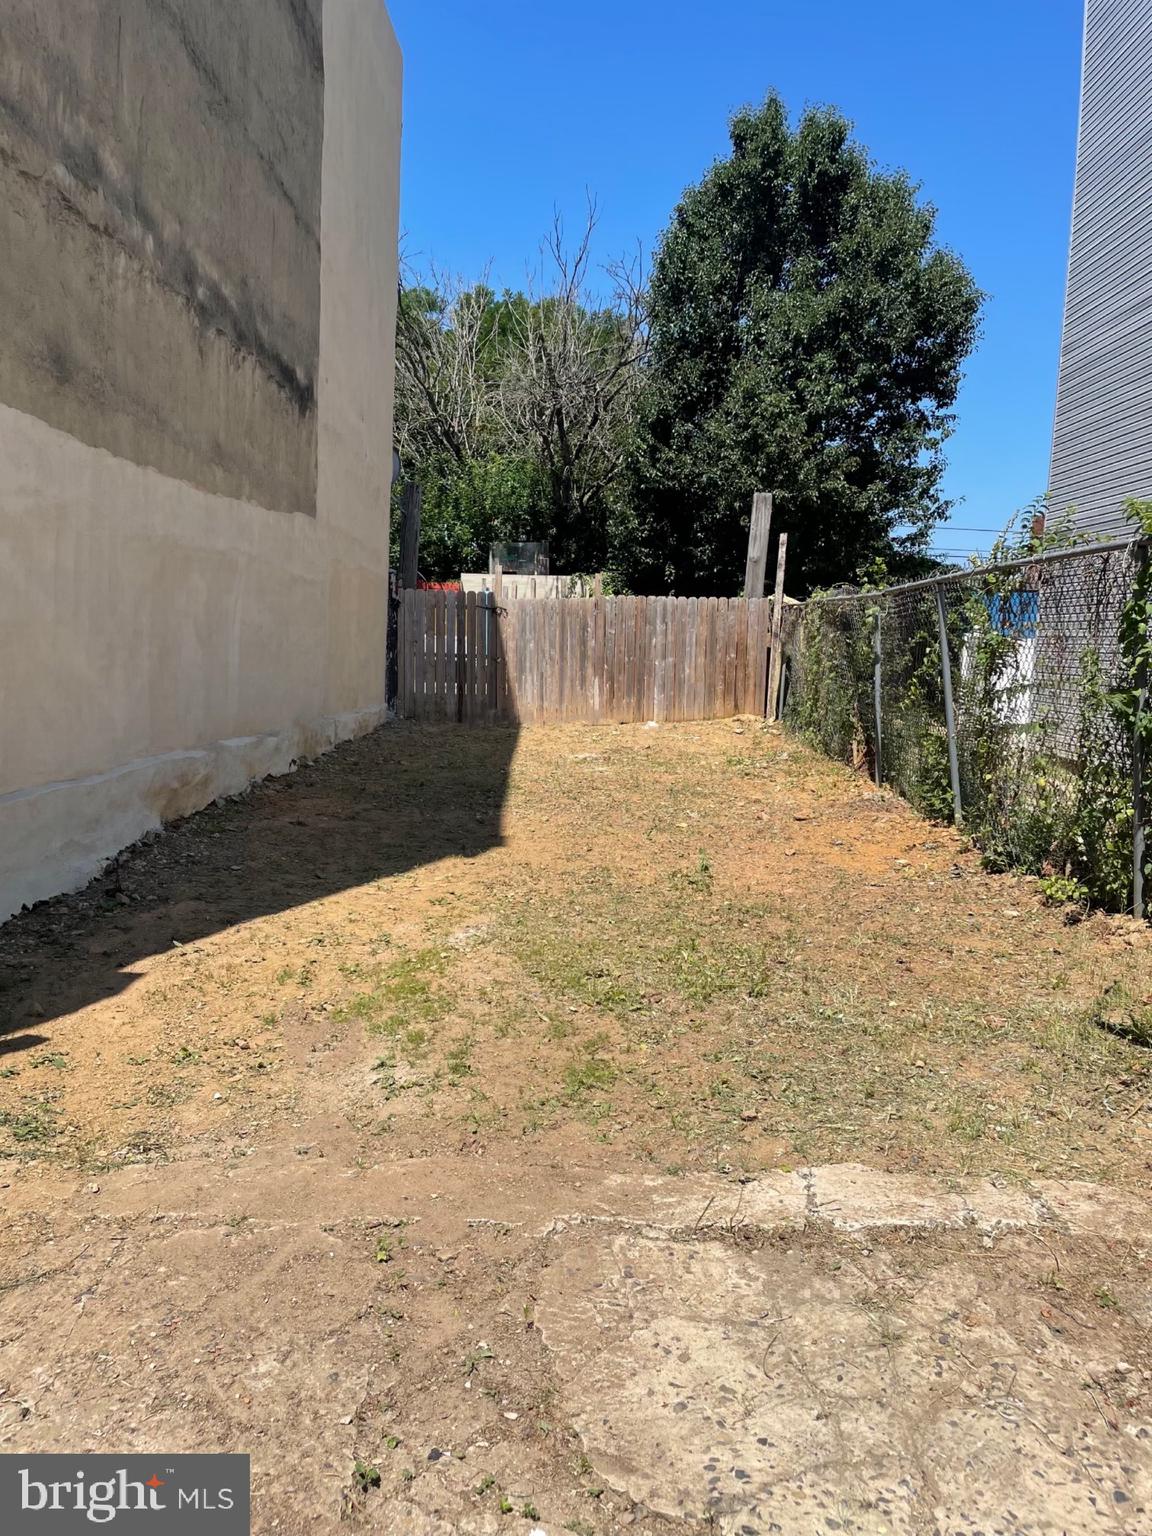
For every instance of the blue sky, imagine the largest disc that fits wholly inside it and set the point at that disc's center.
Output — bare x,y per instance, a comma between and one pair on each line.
516,107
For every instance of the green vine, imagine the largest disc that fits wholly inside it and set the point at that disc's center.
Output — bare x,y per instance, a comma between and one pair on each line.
1045,764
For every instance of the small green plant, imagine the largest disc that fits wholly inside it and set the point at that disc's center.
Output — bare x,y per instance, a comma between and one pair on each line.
968,1124
477,1358
528,1511
1105,1299
486,1483
506,1505
365,1477
1063,891
589,1074
34,1123
57,1060
459,1061
386,1249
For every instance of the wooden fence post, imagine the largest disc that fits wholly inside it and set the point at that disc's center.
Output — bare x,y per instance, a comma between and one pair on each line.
776,676
413,505
460,634
756,570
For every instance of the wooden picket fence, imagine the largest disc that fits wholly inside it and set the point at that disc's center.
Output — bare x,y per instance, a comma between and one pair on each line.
464,657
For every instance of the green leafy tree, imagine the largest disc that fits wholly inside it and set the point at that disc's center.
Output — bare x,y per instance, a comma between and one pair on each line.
452,348
515,412
807,336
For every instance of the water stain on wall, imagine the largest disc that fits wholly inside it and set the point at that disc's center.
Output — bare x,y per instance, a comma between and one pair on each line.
160,171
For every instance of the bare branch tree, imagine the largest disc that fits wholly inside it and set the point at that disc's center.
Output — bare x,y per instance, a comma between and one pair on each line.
548,378
442,395
575,368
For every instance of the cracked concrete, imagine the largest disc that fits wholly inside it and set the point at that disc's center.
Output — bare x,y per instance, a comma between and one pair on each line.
778,1392
830,1349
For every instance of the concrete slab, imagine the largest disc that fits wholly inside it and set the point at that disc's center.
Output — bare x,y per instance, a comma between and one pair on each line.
794,1391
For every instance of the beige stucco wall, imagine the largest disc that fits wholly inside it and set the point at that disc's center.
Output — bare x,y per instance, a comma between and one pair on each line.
161,645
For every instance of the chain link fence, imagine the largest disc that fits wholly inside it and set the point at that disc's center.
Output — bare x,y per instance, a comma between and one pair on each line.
1003,698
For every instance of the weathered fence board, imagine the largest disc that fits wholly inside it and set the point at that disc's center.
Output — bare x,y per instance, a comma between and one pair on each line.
466,656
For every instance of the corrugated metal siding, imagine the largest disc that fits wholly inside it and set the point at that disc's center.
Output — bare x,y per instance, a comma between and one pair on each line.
1102,449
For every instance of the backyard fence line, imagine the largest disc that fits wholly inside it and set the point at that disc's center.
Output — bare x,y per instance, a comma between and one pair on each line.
1045,557
473,658
1008,698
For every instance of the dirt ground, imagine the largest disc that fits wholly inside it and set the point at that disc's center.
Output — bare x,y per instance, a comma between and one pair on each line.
606,1128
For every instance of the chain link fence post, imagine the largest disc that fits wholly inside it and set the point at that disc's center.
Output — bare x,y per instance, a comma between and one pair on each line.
877,678
1139,829
949,707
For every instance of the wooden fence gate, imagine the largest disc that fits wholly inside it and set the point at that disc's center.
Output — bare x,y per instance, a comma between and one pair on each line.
464,657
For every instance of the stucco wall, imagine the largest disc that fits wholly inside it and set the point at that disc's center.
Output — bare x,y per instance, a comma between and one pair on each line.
160,183
162,643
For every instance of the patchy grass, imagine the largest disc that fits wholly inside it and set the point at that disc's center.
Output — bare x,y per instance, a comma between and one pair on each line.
403,997
825,978
33,1124
697,947
1120,1013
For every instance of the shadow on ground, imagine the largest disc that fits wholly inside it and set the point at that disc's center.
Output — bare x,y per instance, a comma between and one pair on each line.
390,802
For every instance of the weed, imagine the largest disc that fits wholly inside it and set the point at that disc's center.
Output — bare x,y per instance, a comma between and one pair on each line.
486,1483
700,878
365,1477
57,1060
968,1124
1105,1299
34,1123
1118,1013
1063,890
301,976
475,1360
528,1511
588,1074
459,1061
506,1505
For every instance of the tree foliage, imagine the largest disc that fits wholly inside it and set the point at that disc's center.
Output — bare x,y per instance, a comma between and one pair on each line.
807,337
515,411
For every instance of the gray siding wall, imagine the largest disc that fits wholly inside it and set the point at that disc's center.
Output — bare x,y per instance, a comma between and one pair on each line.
1102,450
